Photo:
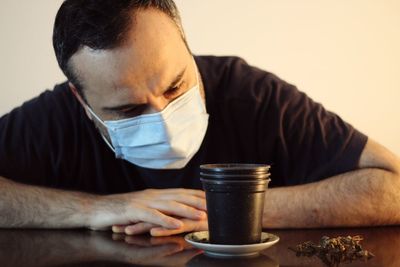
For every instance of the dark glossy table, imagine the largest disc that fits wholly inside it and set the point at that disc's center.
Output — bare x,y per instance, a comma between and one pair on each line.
87,248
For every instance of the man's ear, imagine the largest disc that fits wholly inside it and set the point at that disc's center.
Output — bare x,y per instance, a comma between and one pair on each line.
80,99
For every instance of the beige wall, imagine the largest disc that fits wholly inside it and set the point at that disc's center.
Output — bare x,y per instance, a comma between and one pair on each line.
27,62
343,53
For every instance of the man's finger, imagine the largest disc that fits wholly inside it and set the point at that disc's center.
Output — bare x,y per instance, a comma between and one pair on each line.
178,209
193,201
189,226
159,231
139,228
156,217
118,229
182,191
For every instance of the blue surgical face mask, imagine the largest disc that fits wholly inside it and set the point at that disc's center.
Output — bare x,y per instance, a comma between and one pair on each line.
164,140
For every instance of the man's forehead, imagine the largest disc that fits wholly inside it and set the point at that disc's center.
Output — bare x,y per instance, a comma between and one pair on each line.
108,64
153,38
119,67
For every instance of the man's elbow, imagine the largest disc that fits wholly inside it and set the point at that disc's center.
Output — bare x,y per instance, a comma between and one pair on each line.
377,156
397,168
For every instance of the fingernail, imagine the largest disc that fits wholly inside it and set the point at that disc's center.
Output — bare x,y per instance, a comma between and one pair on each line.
155,233
118,229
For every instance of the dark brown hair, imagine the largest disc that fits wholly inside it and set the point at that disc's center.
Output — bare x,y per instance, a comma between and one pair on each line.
98,24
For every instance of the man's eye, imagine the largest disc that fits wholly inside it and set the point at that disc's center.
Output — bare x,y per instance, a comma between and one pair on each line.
127,110
172,91
133,111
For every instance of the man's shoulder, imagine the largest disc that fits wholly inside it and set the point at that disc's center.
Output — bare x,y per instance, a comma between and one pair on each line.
49,98
221,68
60,94
219,61
231,66
49,107
232,78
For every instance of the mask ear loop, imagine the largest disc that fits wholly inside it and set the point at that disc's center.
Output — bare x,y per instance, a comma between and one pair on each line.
108,143
198,82
197,73
102,123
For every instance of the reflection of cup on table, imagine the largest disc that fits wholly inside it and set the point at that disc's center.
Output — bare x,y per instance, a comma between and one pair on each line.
260,261
235,201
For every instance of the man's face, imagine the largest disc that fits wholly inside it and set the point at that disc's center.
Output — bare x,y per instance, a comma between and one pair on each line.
151,69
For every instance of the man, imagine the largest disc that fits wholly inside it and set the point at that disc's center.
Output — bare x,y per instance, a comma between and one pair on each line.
119,145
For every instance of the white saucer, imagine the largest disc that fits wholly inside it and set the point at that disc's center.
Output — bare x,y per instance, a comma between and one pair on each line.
217,250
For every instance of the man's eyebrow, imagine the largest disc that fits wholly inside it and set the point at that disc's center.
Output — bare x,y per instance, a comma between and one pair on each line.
132,106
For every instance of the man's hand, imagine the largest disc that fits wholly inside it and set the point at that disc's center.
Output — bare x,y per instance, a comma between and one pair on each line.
160,212
156,230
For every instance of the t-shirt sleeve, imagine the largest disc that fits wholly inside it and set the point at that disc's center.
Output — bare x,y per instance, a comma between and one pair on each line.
311,142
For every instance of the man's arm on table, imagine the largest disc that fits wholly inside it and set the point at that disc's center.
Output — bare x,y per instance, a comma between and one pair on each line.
367,196
26,206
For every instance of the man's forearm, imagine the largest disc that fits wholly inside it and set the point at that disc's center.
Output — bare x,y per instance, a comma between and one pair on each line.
25,206
363,197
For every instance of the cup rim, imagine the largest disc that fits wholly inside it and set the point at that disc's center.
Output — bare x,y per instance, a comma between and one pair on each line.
236,182
230,167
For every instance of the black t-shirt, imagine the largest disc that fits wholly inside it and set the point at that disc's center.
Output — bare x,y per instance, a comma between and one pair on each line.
255,117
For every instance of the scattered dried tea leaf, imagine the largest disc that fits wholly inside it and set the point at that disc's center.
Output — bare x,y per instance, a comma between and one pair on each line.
333,251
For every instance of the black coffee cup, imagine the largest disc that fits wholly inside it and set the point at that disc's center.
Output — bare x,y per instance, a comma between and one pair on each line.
235,201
